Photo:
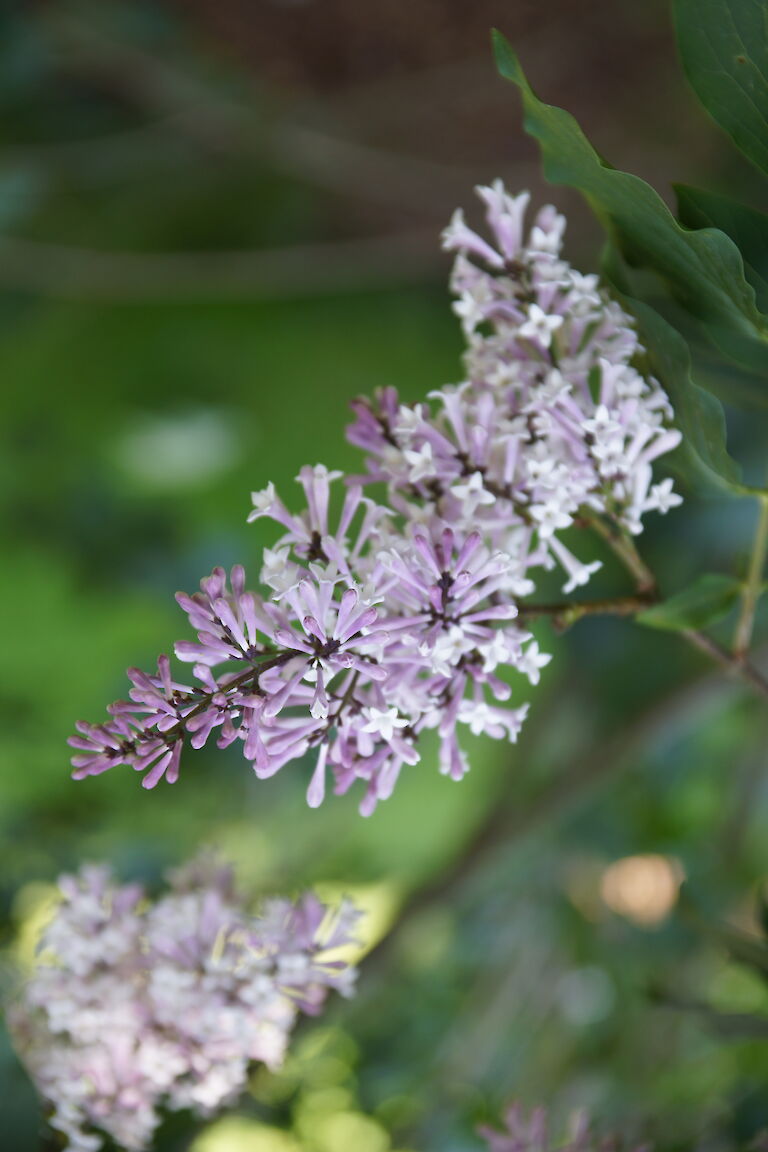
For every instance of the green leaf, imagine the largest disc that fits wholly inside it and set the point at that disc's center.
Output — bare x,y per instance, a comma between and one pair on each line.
747,227
708,599
703,269
698,413
724,48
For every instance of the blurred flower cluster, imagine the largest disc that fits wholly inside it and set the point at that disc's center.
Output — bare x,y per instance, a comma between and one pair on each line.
533,1134
385,619
139,1005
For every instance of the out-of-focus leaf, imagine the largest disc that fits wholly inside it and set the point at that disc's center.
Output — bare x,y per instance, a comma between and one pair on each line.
703,269
746,950
731,1025
747,227
21,191
707,600
724,48
762,910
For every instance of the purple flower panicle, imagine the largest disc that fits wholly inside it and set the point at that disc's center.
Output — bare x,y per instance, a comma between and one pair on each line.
137,1007
376,621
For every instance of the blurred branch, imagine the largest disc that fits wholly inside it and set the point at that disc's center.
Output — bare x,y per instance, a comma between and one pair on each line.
118,149
736,664
222,124
744,802
61,271
730,1025
508,824
753,586
623,546
738,668
564,614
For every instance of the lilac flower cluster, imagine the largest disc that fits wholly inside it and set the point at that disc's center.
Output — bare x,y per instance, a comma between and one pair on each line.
380,621
552,425
141,1006
532,1134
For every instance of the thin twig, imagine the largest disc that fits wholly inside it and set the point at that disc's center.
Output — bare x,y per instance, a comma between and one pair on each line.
622,544
736,665
740,669
566,613
752,587
312,269
508,823
226,124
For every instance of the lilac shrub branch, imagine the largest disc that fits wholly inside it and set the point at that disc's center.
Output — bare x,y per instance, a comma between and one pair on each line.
377,620
753,584
735,663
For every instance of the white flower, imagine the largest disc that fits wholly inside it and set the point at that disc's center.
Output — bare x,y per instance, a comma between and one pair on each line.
447,650
495,652
421,463
383,721
408,421
531,661
263,501
319,472
578,573
540,326
472,305
662,498
473,493
278,572
476,714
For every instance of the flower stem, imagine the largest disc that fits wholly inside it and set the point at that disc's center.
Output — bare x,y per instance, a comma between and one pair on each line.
752,587
736,665
565,614
253,672
734,662
623,546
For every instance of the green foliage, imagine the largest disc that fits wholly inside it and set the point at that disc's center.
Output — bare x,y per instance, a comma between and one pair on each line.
510,975
724,49
703,269
708,599
747,227
698,413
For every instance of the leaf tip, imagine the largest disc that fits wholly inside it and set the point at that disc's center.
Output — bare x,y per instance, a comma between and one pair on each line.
507,63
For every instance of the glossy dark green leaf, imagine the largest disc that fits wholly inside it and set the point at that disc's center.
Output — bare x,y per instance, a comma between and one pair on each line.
703,269
747,227
724,48
703,454
708,599
698,413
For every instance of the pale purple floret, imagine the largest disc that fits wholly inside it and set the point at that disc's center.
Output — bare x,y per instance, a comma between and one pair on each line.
137,1007
380,619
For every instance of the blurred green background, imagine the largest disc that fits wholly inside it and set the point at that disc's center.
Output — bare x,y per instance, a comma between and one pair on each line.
219,222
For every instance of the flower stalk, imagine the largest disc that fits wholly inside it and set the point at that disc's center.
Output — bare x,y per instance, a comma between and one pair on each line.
753,583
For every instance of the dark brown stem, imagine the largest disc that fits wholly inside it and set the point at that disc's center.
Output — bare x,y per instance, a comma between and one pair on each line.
736,664
564,614
253,673
623,546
